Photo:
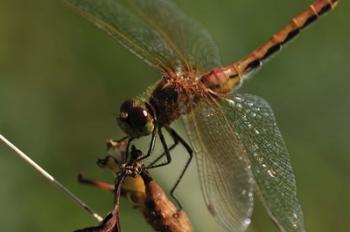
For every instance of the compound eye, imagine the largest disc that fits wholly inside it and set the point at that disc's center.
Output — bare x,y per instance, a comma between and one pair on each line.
138,117
135,119
131,111
128,105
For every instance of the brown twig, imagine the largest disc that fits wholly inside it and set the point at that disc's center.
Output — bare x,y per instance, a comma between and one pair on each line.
135,183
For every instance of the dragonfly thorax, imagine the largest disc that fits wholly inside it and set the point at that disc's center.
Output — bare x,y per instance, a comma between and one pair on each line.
175,97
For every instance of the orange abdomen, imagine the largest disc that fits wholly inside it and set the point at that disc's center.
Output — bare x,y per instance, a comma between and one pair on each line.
224,79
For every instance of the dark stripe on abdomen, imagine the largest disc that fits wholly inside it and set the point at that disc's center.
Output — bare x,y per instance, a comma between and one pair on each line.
309,21
284,36
290,36
325,9
253,65
271,51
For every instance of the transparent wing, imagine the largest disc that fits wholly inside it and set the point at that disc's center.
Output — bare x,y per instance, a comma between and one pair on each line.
253,120
223,166
155,31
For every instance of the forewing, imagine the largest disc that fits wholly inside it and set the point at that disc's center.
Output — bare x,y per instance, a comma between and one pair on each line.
154,30
224,171
253,120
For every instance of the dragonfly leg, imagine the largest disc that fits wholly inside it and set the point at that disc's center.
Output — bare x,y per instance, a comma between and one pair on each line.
166,151
177,139
128,148
96,183
122,139
153,163
151,145
168,157
189,150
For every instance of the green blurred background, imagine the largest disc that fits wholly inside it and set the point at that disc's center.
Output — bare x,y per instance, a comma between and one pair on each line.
62,81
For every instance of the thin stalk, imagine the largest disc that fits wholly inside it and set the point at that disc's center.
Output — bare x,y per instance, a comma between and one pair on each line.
49,177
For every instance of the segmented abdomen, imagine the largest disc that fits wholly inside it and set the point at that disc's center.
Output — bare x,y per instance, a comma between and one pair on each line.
224,79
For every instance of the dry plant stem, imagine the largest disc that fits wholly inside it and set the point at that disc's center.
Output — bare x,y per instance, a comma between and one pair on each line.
134,182
44,173
117,192
151,200
159,210
111,223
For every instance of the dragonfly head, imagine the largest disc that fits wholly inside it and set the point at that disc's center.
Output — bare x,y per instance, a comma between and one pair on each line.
135,118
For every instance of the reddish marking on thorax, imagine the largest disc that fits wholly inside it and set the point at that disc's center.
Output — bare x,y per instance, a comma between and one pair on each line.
174,97
179,92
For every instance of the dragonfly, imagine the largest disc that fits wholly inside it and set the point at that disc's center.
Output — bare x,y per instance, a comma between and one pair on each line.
234,137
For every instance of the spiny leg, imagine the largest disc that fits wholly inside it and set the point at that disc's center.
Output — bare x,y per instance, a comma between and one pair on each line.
151,145
177,139
128,147
189,150
166,151
153,163
168,156
122,139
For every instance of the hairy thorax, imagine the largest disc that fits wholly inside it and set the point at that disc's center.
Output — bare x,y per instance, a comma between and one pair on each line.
174,97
